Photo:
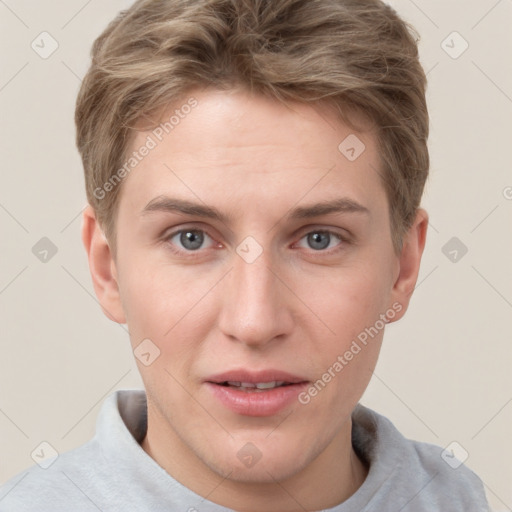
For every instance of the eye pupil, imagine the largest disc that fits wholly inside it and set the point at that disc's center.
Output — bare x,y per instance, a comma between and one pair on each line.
192,240
319,240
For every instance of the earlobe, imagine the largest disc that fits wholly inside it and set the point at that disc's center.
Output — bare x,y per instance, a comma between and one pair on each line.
409,262
102,267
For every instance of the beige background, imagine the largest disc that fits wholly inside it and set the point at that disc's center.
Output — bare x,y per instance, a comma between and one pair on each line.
444,373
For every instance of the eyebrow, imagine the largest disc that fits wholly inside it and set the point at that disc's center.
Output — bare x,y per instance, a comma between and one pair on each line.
342,205
180,206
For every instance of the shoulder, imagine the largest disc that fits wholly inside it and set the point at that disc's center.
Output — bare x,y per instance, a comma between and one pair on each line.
450,479
55,486
423,475
87,476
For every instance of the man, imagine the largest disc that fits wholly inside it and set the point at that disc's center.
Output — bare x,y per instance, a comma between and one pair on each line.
254,172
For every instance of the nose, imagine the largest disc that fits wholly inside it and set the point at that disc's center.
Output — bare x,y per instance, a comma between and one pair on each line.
255,304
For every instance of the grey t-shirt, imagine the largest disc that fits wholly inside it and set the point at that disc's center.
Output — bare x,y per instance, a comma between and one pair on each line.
112,472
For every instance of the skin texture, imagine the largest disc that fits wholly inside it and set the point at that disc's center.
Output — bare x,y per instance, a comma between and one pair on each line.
295,308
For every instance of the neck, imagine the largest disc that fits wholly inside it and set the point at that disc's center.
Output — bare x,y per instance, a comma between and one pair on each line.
334,476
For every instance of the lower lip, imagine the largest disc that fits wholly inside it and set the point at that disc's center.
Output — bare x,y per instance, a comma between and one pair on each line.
256,403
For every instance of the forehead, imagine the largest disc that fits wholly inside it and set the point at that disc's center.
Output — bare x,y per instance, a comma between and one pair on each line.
234,146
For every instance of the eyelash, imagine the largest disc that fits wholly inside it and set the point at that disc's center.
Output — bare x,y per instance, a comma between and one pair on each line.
343,240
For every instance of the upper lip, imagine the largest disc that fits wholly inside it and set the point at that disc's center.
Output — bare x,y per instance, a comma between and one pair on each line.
254,377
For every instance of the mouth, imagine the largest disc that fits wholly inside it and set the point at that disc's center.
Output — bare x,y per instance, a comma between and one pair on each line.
262,393
258,387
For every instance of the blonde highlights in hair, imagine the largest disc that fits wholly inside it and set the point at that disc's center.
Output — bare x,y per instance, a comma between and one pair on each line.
355,55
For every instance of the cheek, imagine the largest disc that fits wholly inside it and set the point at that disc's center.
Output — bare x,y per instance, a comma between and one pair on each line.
344,360
349,300
350,305
166,304
143,294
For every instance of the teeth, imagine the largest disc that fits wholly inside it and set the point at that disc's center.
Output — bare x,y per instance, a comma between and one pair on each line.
269,385
257,385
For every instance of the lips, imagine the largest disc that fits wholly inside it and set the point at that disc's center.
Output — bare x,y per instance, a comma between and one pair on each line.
260,393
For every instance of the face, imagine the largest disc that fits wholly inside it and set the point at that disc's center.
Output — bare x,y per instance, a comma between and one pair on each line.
258,260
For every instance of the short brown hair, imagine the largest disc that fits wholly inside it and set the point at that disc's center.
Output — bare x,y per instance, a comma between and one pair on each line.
353,54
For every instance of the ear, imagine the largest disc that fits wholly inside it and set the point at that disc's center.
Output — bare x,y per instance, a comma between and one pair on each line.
409,264
102,267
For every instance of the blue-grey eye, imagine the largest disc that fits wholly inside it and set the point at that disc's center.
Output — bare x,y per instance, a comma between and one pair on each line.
320,240
190,239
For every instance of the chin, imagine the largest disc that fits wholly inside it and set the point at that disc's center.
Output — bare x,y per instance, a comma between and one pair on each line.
268,465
